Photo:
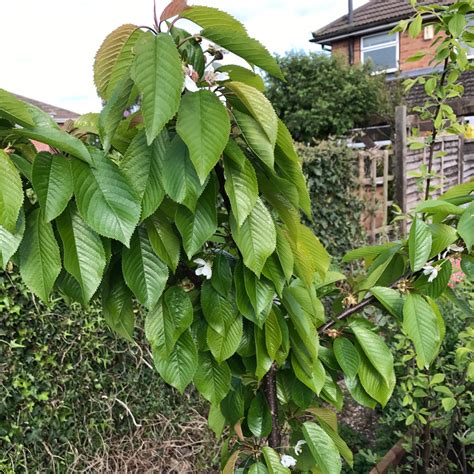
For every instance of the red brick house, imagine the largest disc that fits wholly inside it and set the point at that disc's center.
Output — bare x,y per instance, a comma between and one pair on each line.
363,35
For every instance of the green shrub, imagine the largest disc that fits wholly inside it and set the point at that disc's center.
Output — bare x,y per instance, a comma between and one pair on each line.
66,385
331,175
324,96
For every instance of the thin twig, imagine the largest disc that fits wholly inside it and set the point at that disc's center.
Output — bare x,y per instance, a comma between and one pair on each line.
435,133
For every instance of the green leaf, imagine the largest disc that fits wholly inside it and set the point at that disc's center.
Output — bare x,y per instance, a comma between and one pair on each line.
415,26
273,462
285,254
258,468
255,137
40,261
259,418
212,379
9,242
347,356
224,346
373,383
216,420
310,255
259,107
256,238
438,207
467,266
163,238
168,320
222,275
179,367
435,288
84,256
208,17
421,325
158,74
241,183
105,199
264,362
341,445
244,46
107,65
11,193
145,274
448,403
217,309
198,227
58,139
273,335
117,305
190,49
229,467
243,74
23,164
358,393
375,350
322,448
442,236
179,177
419,244
391,300
204,125
15,110
456,24
53,183
368,253
141,164
466,226
259,291
112,114
300,307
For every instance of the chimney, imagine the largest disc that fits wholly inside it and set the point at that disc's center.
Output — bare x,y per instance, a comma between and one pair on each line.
350,11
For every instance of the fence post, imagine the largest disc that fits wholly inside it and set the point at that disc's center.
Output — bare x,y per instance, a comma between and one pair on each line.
400,175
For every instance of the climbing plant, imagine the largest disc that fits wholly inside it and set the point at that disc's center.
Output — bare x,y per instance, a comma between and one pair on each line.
184,196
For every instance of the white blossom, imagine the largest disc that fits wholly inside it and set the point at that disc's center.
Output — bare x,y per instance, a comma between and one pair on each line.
211,77
190,78
288,461
455,248
298,448
204,269
431,271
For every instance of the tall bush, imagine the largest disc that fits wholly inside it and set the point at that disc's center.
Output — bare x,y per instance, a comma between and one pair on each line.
324,96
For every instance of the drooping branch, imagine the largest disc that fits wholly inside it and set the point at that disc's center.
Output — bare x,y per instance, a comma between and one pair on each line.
355,309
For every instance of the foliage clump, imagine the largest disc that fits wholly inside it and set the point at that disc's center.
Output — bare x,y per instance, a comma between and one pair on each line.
324,96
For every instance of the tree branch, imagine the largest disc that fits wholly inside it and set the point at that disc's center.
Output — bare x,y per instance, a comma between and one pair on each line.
270,391
355,309
435,133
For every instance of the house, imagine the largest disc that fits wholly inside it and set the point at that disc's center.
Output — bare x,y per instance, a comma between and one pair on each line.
364,35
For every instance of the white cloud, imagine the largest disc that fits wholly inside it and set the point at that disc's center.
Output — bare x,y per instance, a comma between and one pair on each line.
49,46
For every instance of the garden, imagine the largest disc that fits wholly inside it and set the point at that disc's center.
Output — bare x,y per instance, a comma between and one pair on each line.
186,285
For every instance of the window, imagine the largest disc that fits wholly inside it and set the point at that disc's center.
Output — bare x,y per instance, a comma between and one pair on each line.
382,50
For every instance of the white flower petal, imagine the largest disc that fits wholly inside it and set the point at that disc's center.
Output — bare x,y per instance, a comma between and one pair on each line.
222,76
190,85
456,248
298,448
288,461
200,261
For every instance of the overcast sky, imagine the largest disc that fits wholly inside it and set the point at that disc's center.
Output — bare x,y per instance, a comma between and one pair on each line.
48,46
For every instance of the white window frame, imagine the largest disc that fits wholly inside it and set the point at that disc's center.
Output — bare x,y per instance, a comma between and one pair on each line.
368,49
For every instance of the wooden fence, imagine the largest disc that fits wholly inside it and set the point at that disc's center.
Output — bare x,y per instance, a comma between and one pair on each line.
388,177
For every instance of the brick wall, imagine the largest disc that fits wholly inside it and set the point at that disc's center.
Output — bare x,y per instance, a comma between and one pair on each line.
342,48
407,47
